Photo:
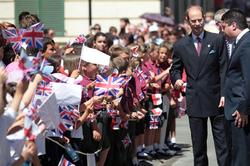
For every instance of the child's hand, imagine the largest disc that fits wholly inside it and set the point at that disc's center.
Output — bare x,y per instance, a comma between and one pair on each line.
120,93
155,85
29,150
97,99
91,85
134,115
75,74
140,115
38,78
143,111
97,135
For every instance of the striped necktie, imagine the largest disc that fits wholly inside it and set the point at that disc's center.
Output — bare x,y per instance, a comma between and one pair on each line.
198,47
230,47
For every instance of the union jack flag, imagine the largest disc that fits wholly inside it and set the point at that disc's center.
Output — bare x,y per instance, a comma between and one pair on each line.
44,88
108,85
33,36
126,78
14,36
141,96
30,63
69,115
126,141
71,111
141,74
31,129
50,78
65,162
37,61
153,123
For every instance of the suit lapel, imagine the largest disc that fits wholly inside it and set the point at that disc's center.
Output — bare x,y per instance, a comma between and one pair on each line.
194,59
235,49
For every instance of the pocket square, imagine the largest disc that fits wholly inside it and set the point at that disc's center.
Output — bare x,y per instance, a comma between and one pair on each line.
211,51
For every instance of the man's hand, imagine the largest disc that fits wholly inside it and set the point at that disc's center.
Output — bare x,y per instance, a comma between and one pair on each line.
241,120
222,102
178,84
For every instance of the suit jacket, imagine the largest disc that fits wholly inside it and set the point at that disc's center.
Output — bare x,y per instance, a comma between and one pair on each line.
237,83
205,73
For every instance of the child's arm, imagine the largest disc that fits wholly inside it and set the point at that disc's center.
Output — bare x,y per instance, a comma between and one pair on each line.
96,132
20,90
161,75
29,152
2,95
87,108
27,97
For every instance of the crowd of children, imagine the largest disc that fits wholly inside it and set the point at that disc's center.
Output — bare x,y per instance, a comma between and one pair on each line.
120,127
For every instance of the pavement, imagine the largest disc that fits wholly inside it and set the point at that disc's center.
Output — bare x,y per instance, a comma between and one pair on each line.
185,157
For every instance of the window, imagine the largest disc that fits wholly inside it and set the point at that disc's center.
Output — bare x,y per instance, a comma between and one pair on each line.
50,12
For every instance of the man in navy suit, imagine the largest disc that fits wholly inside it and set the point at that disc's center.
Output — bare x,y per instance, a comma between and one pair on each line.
237,86
203,57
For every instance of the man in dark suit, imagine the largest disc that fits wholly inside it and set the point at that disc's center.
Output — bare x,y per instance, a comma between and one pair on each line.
237,86
202,56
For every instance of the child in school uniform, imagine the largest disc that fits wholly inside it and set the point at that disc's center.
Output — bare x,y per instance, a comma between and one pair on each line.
75,137
154,88
164,55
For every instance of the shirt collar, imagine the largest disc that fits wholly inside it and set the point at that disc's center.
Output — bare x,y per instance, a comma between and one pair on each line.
240,35
201,36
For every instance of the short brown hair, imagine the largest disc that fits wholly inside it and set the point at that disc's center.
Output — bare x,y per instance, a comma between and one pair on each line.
71,62
116,50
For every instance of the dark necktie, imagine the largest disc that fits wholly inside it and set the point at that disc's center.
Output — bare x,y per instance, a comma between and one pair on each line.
198,48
